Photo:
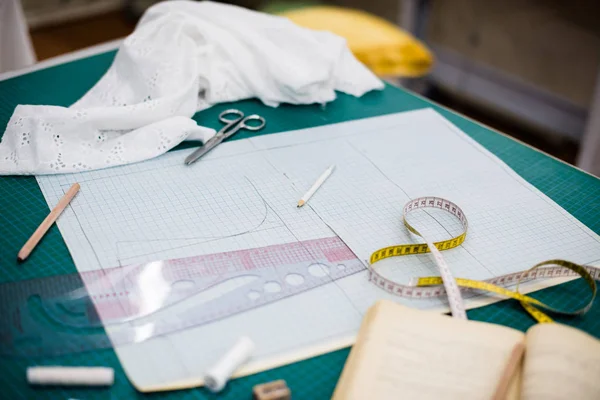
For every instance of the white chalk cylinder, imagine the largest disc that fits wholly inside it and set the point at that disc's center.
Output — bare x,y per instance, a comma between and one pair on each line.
217,376
71,376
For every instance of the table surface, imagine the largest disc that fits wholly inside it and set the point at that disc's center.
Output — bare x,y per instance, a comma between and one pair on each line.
23,207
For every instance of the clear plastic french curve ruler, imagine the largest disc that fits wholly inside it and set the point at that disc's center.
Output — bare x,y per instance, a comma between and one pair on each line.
66,313
446,285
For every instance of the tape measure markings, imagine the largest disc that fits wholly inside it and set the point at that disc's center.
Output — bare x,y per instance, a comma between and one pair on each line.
451,288
446,285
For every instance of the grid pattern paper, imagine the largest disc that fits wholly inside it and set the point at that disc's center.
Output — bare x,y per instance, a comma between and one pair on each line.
380,164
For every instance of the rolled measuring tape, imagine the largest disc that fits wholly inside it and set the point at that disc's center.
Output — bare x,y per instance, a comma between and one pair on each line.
429,287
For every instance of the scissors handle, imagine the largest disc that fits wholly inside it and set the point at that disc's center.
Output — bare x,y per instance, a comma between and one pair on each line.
232,125
253,117
230,121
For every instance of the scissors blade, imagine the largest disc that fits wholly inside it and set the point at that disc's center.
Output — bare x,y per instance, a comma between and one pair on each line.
208,146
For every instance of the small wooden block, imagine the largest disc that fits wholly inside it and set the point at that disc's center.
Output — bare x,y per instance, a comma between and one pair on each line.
276,390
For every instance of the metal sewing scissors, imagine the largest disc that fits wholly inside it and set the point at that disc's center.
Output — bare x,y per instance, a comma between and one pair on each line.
232,125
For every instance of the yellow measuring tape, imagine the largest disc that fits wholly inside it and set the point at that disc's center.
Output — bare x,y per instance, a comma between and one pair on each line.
406,249
427,287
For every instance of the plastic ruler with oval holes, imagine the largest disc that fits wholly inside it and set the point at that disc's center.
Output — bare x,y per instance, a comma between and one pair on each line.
67,313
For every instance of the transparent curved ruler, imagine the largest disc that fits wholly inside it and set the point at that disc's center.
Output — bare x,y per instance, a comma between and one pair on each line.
64,314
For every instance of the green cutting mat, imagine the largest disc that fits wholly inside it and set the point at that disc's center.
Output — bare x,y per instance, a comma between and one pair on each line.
22,207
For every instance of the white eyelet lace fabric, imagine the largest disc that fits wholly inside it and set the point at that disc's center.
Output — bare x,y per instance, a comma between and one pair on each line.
183,57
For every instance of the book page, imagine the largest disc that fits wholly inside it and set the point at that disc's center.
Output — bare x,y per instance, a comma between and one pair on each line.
561,363
418,354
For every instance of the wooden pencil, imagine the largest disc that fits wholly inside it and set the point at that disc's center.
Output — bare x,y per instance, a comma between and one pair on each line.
511,368
47,223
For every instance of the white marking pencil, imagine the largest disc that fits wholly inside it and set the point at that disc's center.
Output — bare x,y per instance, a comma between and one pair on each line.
47,223
316,186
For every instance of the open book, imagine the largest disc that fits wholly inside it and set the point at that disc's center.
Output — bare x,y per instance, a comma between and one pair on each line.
402,353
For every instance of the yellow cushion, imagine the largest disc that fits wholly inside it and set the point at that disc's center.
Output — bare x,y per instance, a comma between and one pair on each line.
383,47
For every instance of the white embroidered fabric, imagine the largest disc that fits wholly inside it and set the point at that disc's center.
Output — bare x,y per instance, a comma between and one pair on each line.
183,57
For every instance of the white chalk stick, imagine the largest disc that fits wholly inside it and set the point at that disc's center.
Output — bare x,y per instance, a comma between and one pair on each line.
217,376
71,376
